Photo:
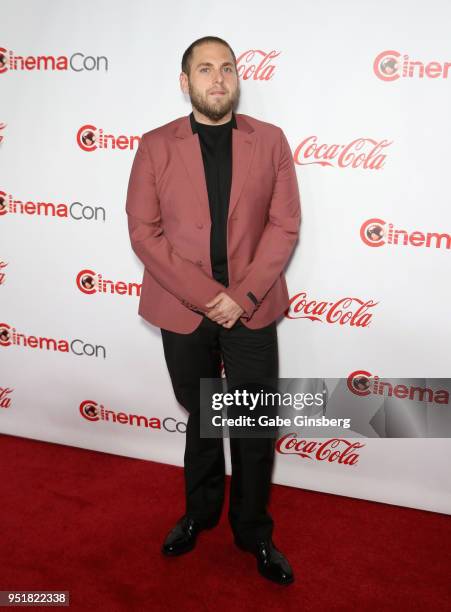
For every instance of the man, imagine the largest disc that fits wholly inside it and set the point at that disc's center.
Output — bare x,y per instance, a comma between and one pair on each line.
214,212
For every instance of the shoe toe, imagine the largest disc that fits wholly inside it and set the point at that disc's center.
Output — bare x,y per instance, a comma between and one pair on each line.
272,564
182,538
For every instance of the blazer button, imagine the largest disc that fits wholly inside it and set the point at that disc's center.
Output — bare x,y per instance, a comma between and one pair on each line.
199,262
199,225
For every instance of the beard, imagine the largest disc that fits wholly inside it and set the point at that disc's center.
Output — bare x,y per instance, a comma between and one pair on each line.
213,110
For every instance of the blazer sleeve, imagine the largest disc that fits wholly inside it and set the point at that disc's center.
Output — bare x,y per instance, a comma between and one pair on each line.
278,238
180,276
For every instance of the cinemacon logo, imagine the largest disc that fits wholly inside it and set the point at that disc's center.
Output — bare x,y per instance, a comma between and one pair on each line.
91,282
9,336
94,412
90,138
363,383
392,65
75,210
346,311
377,232
78,62
337,450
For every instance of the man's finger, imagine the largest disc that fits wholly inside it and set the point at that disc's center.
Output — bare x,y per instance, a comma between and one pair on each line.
215,300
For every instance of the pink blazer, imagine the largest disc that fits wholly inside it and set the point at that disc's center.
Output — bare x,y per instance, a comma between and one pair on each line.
169,223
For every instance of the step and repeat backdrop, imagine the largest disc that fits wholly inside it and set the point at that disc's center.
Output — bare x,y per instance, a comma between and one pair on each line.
363,96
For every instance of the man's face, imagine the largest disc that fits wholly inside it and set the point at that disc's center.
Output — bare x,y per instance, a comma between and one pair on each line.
212,70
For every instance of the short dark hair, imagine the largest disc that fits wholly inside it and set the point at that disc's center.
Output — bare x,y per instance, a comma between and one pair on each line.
187,56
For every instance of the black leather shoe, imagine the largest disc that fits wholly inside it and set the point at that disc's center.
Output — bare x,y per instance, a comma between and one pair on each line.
271,563
182,538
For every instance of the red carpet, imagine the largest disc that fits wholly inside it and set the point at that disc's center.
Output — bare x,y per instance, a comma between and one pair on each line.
93,523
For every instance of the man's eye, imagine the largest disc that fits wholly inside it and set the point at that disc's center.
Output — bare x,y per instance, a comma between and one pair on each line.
229,68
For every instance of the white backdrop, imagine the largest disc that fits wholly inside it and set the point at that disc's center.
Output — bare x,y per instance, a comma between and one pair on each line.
330,73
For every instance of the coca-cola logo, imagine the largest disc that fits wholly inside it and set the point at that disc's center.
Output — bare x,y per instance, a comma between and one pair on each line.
3,265
90,282
5,397
90,138
363,383
376,232
391,65
346,311
365,153
337,450
256,64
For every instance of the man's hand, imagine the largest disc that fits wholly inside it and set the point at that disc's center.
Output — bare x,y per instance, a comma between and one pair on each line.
223,310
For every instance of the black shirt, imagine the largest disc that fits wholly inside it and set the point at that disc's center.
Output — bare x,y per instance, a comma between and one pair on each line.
216,147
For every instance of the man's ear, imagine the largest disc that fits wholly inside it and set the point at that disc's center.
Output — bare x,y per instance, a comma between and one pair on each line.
183,82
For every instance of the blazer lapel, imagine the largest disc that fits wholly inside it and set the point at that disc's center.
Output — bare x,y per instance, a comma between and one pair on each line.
243,147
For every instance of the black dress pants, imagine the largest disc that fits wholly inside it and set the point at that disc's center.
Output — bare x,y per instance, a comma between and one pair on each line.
249,353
